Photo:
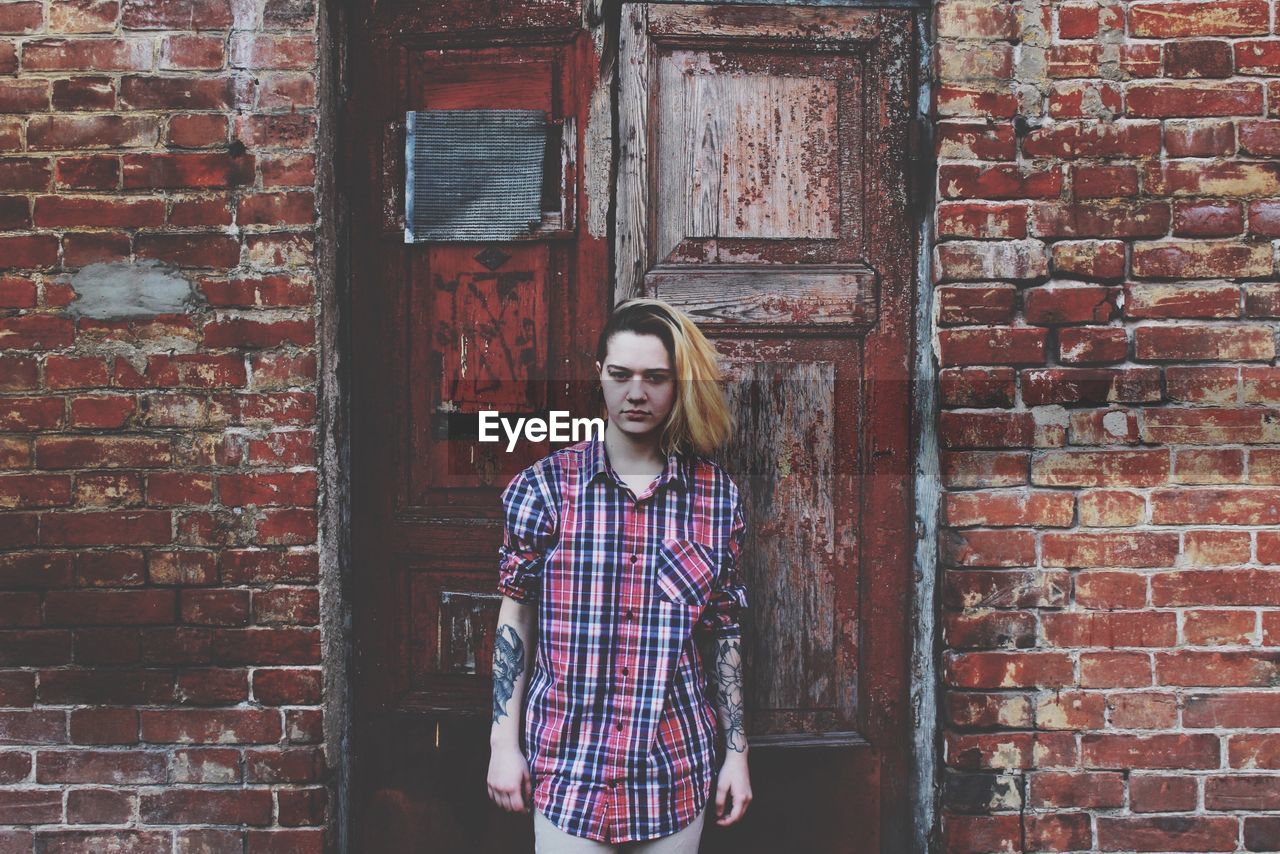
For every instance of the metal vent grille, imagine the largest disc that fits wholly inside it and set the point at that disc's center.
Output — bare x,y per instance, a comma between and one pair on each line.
473,174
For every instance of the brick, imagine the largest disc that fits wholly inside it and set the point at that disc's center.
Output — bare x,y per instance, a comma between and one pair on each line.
1260,56
1000,181
1102,182
207,806
176,14
998,430
968,469
57,132
215,607
1111,508
109,607
1216,548
1090,385
1200,466
1146,711
30,806
1216,506
1210,426
1110,629
28,413
1225,343
298,606
963,140
992,346
1088,138
1008,669
975,20
1261,138
1149,300
100,766
1078,99
956,220
287,686
1050,789
954,100
245,332
1201,260
104,726
1005,508
1073,60
1193,99
1206,58
146,92
87,55
1207,218
64,452
979,304
1092,345
1101,468
206,765
1056,303
1228,178
1088,259
187,170
1077,20
270,290
1199,138
83,16
110,527
1109,219
124,841
84,93
977,387
201,726
35,330
98,806
1183,19
1264,220
971,260
1109,549
190,250
1202,384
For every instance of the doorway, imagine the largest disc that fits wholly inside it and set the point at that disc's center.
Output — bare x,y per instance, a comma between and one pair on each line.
747,163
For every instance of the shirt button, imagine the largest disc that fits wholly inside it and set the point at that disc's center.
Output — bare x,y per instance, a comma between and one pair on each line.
624,670
635,558
618,725
630,614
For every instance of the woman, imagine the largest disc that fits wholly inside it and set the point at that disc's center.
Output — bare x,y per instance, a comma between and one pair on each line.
619,570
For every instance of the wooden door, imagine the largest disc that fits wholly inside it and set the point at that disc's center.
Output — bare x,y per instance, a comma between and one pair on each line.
755,178
441,330
762,189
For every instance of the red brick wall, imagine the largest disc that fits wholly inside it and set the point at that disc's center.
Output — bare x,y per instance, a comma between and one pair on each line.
1106,299
1106,303
159,640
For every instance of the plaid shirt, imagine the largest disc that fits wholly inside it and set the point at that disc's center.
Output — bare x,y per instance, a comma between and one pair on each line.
618,730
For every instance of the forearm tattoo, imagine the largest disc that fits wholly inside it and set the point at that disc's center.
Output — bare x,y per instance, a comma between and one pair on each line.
728,679
508,665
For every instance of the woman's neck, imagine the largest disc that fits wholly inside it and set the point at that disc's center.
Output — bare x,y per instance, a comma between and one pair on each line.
629,456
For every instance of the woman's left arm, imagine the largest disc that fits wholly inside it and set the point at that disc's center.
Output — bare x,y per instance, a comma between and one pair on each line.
720,631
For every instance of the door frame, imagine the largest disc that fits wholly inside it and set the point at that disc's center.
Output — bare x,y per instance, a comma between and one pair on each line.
334,294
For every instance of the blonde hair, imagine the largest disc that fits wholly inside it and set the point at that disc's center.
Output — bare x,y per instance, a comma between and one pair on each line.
699,421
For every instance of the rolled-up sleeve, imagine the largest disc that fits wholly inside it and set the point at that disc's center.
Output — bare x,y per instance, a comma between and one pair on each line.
528,534
722,616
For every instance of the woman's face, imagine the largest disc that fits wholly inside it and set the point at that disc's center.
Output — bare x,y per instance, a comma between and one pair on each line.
638,382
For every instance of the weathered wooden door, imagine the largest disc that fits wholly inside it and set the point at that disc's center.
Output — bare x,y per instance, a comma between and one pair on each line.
755,177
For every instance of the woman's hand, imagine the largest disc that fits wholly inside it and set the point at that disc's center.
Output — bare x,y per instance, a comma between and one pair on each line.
733,782
510,785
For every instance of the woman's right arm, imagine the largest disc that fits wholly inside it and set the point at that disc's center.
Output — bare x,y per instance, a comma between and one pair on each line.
530,531
514,646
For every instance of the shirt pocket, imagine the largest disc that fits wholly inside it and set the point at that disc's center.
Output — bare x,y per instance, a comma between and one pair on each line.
686,571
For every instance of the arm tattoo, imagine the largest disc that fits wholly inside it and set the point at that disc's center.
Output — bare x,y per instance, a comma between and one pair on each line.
508,665
728,678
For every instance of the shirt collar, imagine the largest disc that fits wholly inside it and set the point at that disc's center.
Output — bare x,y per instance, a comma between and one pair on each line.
597,464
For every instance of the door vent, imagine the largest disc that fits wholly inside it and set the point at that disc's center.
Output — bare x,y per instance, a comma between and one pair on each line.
473,174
